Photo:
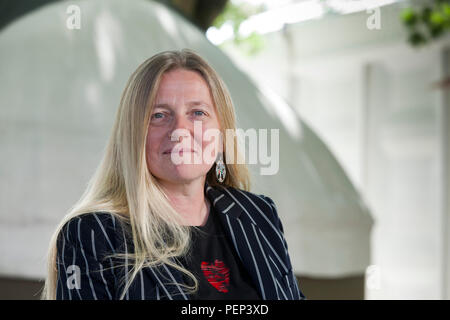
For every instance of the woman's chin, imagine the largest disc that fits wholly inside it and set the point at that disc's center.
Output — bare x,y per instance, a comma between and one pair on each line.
185,172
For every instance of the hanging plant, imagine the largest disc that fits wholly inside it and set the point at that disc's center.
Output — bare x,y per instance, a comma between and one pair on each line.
427,22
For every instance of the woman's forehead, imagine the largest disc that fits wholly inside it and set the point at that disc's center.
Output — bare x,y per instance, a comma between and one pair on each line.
182,77
185,85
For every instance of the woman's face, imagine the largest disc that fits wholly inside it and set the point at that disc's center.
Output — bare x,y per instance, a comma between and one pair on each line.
183,100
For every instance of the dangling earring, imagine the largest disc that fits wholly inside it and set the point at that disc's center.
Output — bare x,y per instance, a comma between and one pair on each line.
221,171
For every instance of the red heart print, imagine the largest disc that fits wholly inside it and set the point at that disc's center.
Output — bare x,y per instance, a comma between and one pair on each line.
217,274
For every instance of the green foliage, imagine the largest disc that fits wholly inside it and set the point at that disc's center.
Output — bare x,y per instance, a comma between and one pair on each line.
236,14
251,45
426,23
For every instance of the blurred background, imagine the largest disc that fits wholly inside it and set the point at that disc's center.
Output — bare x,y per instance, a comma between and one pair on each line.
357,88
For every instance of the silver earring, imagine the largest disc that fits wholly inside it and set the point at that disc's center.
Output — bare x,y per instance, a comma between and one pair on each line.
221,171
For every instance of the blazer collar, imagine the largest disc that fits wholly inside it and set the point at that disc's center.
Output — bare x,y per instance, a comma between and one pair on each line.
244,234
222,200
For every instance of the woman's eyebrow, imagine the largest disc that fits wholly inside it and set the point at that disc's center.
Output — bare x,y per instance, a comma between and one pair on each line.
197,102
190,103
162,105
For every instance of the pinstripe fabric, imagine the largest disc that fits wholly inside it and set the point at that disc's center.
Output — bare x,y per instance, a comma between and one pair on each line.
250,221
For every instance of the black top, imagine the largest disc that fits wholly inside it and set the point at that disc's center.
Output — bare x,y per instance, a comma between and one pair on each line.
215,263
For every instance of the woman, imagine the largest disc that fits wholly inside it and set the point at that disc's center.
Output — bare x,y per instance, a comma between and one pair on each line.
150,226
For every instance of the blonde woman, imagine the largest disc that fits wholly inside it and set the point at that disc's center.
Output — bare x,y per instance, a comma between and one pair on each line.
150,226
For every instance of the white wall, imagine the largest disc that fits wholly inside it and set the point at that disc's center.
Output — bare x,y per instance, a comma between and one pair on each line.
369,96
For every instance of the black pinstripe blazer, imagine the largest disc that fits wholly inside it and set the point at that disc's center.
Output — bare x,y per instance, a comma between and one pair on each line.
250,221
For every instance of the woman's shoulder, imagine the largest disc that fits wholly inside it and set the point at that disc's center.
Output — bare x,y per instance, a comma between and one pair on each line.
92,226
252,199
259,206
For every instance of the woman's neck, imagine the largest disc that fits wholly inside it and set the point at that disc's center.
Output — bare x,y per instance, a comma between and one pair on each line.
189,200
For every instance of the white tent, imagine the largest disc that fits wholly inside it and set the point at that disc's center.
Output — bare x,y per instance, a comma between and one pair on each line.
59,91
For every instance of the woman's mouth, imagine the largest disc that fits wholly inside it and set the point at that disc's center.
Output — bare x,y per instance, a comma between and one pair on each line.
180,151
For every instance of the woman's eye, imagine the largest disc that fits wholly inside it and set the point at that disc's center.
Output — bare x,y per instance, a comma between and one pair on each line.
159,118
158,115
199,114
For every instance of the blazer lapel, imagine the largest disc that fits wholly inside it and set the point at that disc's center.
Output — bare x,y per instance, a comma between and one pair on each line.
246,238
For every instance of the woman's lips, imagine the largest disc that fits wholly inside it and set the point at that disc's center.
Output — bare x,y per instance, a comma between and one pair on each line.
179,151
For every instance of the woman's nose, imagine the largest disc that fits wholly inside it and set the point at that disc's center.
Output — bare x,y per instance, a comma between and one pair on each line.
182,128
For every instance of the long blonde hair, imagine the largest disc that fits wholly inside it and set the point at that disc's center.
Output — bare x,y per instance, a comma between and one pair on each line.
122,184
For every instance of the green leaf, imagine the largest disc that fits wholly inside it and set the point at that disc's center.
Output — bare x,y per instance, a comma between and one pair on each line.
436,31
409,17
437,19
417,39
